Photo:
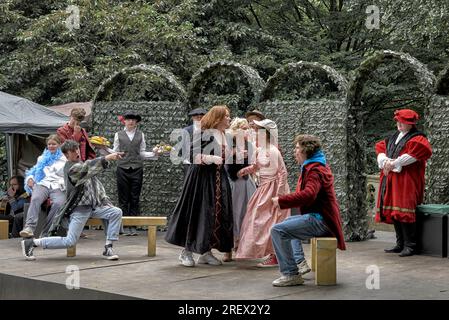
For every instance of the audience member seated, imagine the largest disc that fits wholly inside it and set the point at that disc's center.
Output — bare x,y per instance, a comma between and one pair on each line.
12,203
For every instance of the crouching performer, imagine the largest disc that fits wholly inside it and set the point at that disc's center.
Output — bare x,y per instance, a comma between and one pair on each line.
86,198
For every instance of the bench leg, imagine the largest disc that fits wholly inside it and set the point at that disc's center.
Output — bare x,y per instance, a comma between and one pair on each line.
313,258
71,251
151,241
4,228
326,262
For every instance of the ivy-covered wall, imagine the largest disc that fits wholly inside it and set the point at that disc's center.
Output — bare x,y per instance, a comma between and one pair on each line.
437,124
323,118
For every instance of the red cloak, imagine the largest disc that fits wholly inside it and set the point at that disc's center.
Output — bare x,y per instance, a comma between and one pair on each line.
404,190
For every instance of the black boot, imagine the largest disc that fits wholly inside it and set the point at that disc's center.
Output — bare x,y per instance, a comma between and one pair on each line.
399,239
409,232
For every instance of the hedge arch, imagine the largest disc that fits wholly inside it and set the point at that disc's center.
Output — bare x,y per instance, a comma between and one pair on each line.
324,117
105,90
356,179
437,188
285,71
442,87
159,119
248,75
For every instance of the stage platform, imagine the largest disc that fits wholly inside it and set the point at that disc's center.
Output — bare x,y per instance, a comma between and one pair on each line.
137,276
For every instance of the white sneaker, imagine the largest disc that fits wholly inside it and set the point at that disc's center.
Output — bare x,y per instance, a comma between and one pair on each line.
286,281
26,233
109,253
186,258
209,258
303,267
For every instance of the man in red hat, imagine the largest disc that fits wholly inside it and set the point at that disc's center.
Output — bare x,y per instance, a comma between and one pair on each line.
402,160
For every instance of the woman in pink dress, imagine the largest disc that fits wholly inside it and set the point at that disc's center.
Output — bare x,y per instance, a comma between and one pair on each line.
261,215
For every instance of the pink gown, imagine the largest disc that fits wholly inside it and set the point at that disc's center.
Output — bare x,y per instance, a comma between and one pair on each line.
261,215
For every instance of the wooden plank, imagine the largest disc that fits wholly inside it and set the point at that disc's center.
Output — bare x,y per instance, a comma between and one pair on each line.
4,229
151,241
313,259
326,262
71,251
133,221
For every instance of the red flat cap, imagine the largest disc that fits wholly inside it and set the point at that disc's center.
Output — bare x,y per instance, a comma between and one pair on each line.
406,116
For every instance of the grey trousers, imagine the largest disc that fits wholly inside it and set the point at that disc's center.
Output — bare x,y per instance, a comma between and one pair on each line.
40,194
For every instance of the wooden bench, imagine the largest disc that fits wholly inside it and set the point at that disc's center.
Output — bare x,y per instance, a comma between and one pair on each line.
324,261
150,222
4,229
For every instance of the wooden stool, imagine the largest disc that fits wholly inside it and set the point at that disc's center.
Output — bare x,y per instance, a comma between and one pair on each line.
324,261
4,229
150,221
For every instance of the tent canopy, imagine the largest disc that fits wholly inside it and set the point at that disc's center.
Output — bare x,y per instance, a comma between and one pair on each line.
19,115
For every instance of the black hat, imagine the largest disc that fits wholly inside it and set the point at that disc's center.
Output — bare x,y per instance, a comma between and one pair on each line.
255,113
132,115
197,112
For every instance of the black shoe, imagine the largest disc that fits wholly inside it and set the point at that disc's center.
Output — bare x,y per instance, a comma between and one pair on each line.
395,249
27,249
407,252
109,254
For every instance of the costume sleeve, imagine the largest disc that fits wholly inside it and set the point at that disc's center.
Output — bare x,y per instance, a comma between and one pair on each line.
62,134
81,172
116,147
403,160
381,157
419,148
305,197
381,147
146,155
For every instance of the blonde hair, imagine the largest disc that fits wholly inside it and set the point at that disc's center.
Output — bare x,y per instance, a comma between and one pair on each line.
214,116
238,123
53,137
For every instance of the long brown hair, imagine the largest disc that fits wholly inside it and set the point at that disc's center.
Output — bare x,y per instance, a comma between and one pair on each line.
214,116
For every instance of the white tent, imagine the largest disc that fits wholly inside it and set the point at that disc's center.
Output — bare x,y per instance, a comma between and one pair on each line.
25,124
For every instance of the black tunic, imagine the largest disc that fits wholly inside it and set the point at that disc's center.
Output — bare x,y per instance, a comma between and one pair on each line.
202,218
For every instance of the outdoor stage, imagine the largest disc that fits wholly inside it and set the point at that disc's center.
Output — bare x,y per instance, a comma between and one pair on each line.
136,275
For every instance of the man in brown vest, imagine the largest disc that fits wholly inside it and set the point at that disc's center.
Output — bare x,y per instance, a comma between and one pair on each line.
130,169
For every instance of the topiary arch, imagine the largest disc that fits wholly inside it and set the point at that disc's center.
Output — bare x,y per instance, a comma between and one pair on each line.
285,71
321,116
248,75
159,119
106,88
356,179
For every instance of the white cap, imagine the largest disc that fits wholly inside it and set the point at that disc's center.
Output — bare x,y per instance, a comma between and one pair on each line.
266,123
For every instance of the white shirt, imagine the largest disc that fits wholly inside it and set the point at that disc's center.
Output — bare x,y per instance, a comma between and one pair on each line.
131,133
401,161
54,174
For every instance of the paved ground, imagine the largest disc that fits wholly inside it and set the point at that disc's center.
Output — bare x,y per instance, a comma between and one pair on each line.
161,277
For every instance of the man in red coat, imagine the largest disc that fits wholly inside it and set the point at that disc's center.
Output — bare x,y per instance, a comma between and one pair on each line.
320,214
73,131
402,160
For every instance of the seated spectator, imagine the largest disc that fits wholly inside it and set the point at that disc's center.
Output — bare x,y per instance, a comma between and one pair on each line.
12,204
